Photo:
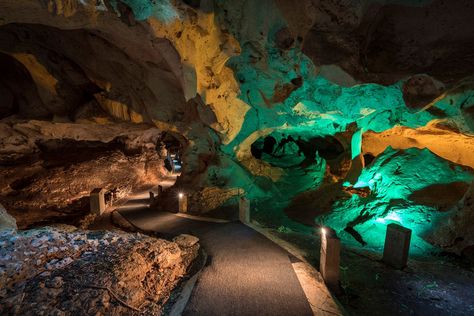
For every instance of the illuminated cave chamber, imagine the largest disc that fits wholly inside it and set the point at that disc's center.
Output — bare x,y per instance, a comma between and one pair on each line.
350,115
279,102
288,150
66,98
174,152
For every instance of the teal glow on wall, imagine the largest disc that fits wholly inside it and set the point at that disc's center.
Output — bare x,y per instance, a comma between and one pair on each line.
356,144
392,178
163,10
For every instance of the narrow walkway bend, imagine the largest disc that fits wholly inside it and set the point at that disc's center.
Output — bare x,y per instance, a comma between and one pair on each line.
246,273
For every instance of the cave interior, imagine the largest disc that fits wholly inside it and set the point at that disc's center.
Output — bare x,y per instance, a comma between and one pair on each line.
325,116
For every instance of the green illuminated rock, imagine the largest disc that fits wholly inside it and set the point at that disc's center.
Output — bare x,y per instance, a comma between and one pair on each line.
394,179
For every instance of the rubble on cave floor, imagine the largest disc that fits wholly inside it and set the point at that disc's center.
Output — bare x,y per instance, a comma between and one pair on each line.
64,271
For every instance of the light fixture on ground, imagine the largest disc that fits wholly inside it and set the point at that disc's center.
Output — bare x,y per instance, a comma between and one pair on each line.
330,258
397,246
182,203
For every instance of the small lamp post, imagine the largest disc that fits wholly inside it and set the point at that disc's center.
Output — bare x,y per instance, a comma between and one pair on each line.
182,203
152,197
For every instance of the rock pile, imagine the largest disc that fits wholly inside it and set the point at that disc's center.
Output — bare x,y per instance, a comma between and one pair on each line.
64,271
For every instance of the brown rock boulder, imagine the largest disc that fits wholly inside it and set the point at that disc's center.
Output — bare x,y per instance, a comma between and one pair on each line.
420,90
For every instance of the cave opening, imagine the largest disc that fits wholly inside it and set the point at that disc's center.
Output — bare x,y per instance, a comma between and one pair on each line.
174,152
290,150
368,158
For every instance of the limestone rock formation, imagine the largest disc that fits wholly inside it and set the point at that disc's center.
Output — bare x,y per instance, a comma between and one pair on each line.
49,169
385,41
331,84
69,271
419,91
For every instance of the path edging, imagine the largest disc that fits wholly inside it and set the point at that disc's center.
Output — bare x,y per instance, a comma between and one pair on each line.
305,271
187,289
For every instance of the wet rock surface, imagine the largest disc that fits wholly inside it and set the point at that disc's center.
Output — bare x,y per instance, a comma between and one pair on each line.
64,271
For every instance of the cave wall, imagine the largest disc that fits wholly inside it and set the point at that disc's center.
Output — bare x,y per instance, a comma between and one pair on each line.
74,67
19,93
224,75
48,169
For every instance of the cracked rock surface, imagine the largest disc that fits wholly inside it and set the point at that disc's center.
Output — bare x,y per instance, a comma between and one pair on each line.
64,271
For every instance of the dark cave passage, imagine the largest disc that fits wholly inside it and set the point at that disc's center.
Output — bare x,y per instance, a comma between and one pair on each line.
174,145
293,150
18,90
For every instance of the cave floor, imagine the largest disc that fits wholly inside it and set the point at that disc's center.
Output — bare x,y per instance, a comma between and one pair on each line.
430,285
245,274
434,284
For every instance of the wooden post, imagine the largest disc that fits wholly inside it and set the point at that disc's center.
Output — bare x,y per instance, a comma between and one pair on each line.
183,203
97,201
152,197
244,210
330,258
397,246
160,190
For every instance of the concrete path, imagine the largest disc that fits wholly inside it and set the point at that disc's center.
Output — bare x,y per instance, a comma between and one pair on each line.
246,273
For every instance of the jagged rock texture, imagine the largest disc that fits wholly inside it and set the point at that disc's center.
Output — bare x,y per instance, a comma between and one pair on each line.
65,271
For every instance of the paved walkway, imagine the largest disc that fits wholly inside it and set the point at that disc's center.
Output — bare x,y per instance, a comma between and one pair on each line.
246,273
